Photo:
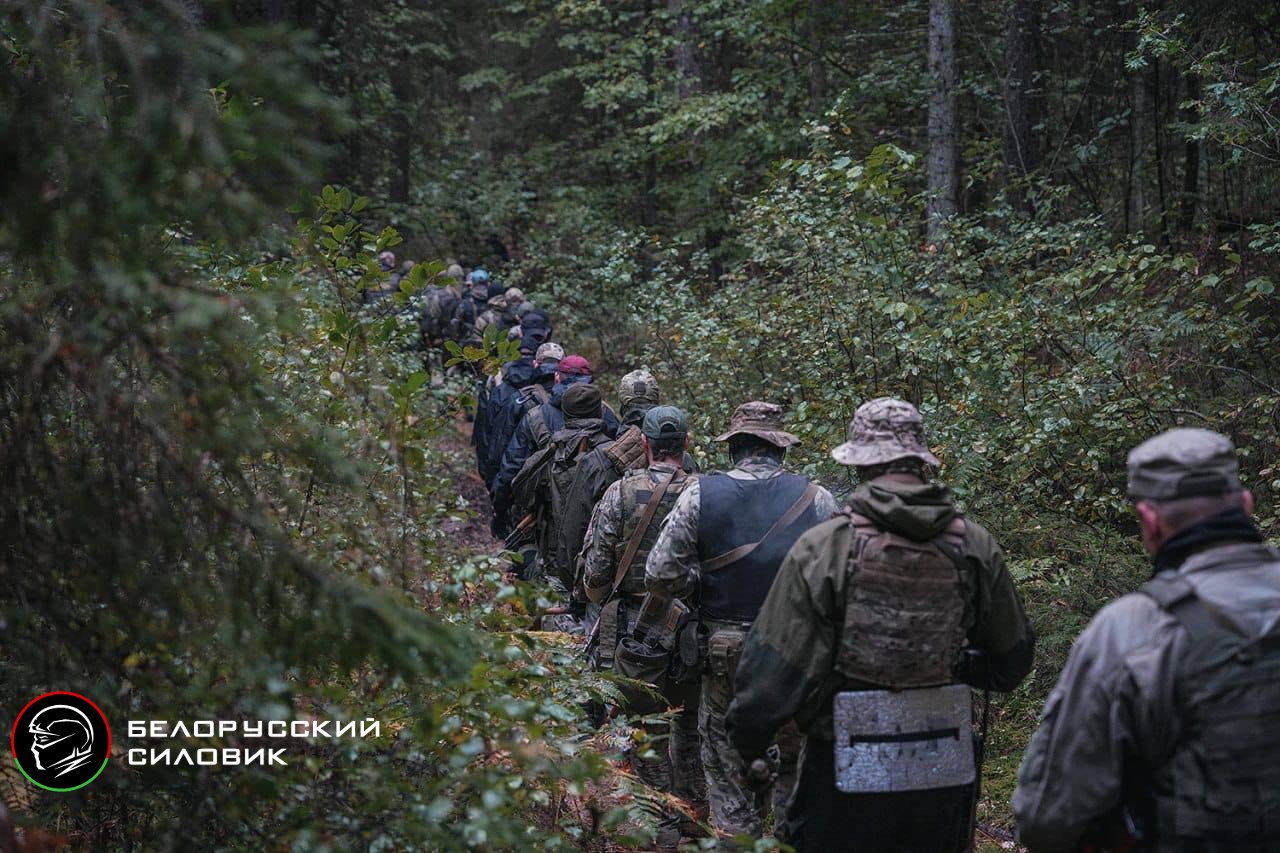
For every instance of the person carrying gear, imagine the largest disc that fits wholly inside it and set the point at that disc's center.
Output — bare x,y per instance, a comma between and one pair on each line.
517,396
388,286
491,404
638,392
721,545
545,477
622,530
533,433
1161,731
462,327
876,624
494,310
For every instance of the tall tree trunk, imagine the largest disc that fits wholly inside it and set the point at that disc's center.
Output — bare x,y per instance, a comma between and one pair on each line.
685,53
1136,214
1021,148
401,133
943,159
1191,172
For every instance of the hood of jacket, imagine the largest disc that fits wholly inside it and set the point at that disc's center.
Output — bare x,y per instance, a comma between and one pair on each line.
557,392
519,373
918,511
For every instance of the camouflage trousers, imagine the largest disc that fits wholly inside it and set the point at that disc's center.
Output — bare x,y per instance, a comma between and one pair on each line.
675,765
735,809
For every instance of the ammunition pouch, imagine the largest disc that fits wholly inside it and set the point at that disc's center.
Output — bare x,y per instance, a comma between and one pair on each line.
635,660
724,651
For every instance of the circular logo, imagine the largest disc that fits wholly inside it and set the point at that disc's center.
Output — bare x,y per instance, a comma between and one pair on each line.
61,741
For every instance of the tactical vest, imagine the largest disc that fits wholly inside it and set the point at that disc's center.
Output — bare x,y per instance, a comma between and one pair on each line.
635,490
733,513
905,607
1220,790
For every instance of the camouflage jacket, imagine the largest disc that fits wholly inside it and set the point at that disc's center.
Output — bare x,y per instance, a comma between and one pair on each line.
673,569
788,664
1112,718
598,470
607,532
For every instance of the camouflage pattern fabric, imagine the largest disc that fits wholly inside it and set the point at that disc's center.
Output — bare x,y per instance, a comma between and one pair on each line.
884,430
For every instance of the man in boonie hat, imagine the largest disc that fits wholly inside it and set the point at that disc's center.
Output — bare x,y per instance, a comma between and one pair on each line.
877,607
1164,718
722,545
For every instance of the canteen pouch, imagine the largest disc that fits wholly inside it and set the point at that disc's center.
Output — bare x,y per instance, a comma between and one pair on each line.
909,740
634,660
724,650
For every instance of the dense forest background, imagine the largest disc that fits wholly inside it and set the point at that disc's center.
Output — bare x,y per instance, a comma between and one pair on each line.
229,494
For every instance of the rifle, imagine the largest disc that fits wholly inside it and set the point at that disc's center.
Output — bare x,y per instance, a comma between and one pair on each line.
513,538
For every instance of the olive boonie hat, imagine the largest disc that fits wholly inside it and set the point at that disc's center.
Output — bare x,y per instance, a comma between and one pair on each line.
763,420
638,387
664,422
1183,463
582,400
884,429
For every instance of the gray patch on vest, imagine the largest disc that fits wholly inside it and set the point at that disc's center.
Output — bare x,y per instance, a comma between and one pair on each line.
912,740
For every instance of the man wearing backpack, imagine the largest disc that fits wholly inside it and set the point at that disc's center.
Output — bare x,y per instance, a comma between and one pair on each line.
521,392
721,545
877,623
545,478
533,432
1162,727
638,393
622,530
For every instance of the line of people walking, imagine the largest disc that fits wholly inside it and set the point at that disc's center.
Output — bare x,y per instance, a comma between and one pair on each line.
819,662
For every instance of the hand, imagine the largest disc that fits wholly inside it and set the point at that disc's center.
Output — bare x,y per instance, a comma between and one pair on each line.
759,776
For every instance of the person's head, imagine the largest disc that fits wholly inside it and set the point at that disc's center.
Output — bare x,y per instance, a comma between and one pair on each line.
664,434
479,275
582,401
407,266
524,308
886,436
528,344
756,430
638,391
514,295
1180,478
386,260
548,355
573,369
455,272
479,292
495,291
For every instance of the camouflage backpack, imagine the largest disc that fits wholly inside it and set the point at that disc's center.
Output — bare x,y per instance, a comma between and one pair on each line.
905,610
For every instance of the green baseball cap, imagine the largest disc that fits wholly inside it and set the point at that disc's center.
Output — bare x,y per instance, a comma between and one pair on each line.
664,422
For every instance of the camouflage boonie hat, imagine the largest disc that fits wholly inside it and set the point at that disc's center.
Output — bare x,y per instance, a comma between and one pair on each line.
637,387
550,351
883,430
1183,463
760,419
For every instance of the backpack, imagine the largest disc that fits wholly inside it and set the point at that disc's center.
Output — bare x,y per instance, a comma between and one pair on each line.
905,609
1220,790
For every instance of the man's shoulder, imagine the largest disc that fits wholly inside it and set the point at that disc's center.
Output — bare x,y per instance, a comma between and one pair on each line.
1133,624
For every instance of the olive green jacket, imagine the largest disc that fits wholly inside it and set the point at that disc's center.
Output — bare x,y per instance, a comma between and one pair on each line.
788,665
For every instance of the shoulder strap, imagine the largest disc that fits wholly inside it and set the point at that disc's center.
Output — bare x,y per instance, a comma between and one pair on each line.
788,518
1200,619
633,544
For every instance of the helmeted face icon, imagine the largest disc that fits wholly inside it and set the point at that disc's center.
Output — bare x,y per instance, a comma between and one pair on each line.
63,738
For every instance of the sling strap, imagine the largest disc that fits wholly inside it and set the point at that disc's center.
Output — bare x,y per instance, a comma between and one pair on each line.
633,544
788,518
